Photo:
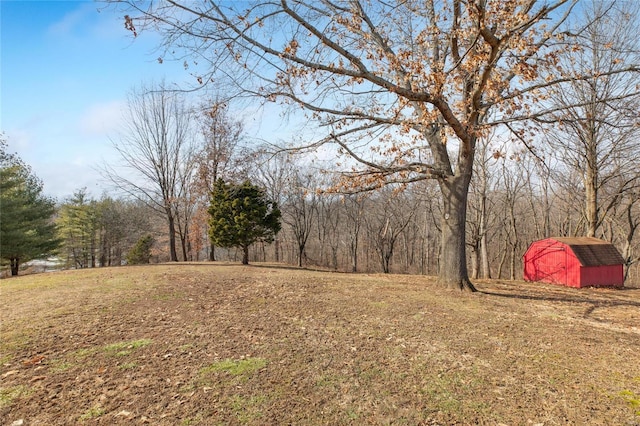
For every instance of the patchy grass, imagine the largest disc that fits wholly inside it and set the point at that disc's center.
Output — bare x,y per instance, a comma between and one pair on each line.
60,366
240,367
92,413
83,352
128,366
632,399
125,348
10,394
247,409
214,344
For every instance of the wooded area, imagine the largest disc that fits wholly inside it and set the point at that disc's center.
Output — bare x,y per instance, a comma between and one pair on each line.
459,133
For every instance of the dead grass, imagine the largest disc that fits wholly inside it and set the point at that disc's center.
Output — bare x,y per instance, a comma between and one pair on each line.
228,344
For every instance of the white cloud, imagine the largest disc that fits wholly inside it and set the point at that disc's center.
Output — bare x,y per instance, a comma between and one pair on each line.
61,180
99,22
102,119
19,140
70,21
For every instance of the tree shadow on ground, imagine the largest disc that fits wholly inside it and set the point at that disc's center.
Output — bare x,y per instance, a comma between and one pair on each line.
265,265
610,299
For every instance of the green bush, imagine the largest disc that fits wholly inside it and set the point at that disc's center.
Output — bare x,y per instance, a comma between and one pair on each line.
141,252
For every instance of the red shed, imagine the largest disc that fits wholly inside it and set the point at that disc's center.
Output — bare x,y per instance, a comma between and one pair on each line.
574,262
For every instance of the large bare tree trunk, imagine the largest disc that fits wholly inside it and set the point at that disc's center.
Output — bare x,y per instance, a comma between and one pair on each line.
453,265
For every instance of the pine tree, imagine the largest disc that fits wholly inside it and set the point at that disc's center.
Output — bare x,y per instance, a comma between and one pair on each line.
26,228
78,226
141,252
241,215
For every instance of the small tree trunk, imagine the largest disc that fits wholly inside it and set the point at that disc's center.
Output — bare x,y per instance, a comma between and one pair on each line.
15,266
591,192
453,265
184,242
387,263
484,255
93,248
354,253
103,255
627,251
512,266
503,258
354,261
245,255
300,255
172,238
425,248
475,261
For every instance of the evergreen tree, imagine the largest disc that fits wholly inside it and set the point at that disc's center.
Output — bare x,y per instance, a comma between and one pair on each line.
78,226
141,252
26,228
241,215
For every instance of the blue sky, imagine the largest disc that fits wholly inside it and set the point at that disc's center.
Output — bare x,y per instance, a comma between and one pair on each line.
65,70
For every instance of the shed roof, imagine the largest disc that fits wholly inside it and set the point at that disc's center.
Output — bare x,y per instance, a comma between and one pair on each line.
592,251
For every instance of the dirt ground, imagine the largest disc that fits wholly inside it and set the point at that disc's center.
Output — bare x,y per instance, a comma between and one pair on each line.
208,344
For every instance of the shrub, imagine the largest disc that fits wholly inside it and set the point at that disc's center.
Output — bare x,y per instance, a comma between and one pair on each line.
141,252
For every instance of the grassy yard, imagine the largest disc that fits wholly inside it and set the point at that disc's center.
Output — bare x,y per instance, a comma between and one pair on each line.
215,343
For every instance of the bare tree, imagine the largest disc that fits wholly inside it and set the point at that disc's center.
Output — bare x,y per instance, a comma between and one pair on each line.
404,89
539,192
386,223
598,118
410,252
478,217
430,210
354,211
271,171
187,201
300,208
156,152
629,223
331,222
512,184
121,224
222,136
